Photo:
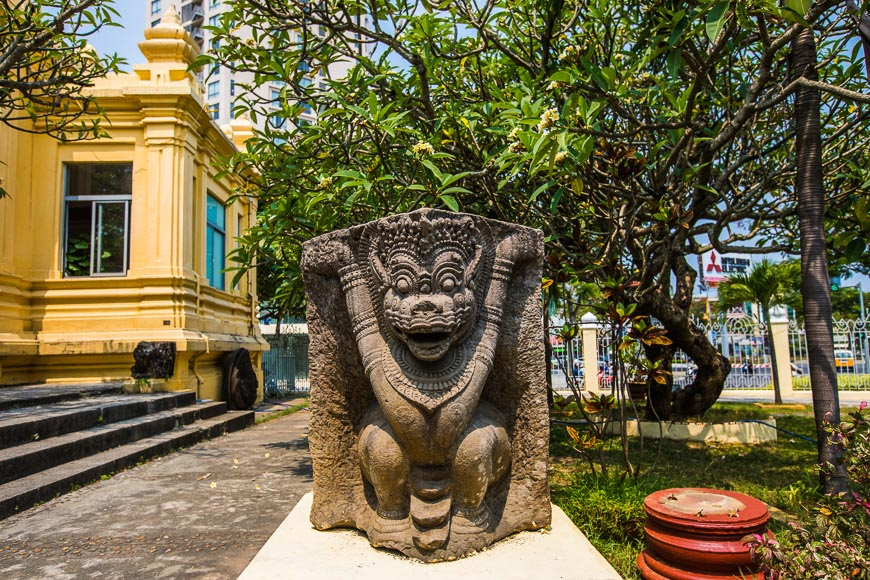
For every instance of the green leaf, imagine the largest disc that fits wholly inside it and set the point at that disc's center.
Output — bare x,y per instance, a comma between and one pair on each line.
675,63
201,61
349,173
595,107
562,76
679,22
538,192
450,202
716,19
799,7
431,167
856,249
609,73
447,179
556,197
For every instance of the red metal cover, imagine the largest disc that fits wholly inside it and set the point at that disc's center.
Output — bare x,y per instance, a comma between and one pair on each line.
709,511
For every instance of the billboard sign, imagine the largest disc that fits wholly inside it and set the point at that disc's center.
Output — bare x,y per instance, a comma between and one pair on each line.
715,267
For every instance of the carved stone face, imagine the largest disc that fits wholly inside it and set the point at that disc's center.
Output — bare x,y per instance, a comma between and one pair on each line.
429,303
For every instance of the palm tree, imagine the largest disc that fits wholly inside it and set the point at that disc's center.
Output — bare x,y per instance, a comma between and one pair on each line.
815,283
766,284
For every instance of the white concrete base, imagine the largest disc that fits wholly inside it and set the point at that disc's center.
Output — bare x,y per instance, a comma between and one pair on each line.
747,433
296,550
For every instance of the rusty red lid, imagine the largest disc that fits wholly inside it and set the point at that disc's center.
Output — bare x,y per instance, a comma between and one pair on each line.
712,511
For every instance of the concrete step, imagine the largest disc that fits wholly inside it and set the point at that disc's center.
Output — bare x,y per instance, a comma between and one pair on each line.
35,456
43,394
26,492
26,424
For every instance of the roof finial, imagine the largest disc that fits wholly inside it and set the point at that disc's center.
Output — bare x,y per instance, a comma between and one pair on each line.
171,16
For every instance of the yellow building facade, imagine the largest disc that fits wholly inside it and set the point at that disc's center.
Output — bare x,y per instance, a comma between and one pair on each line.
110,242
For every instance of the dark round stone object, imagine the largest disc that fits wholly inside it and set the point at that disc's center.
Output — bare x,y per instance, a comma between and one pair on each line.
240,381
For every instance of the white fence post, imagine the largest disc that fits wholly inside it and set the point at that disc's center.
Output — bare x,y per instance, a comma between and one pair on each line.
779,331
589,343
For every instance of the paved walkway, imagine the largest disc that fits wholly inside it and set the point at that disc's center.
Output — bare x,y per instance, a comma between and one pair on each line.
202,512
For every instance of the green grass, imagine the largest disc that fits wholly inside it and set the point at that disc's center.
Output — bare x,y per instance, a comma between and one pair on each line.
610,512
283,412
844,381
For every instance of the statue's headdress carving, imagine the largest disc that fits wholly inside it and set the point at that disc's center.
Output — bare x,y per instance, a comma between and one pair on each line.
419,238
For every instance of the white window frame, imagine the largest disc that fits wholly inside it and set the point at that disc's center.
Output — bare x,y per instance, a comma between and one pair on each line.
96,248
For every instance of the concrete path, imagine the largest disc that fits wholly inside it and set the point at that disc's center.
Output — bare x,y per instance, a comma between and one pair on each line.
202,512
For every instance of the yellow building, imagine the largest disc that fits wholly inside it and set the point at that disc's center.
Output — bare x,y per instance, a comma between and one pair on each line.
110,242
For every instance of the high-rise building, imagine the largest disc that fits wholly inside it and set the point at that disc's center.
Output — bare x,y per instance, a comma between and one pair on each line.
222,84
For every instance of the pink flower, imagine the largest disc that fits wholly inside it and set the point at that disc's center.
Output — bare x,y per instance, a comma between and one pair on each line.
862,406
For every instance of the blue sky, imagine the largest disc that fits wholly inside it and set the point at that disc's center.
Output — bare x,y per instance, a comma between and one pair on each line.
124,41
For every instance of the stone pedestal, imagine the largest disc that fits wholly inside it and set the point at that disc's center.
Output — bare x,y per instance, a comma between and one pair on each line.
297,550
696,534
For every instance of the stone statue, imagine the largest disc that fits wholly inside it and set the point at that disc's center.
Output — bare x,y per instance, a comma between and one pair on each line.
429,422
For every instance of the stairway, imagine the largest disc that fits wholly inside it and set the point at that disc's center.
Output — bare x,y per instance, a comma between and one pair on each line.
56,438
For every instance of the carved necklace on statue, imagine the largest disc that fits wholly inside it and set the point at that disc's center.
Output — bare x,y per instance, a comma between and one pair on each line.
427,385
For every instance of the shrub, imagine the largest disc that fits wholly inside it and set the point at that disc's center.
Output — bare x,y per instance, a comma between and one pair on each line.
836,544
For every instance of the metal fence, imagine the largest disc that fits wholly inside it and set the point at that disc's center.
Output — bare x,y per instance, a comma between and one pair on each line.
850,354
744,342
285,366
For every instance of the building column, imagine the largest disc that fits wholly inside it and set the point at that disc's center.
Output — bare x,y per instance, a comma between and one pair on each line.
589,344
779,330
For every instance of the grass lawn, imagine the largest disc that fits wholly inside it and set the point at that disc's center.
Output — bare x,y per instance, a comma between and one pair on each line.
844,382
610,511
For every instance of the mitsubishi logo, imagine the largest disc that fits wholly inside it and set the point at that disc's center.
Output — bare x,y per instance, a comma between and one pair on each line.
713,266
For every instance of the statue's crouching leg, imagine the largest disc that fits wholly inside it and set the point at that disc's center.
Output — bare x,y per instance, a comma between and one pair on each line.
386,466
482,458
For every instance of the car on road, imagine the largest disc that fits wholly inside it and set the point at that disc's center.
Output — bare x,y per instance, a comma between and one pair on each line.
844,359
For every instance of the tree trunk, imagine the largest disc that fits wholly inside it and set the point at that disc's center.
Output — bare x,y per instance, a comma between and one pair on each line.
713,368
815,284
774,370
658,404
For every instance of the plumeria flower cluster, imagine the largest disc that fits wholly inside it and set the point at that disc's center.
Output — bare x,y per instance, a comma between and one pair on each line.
516,145
570,53
548,119
423,148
